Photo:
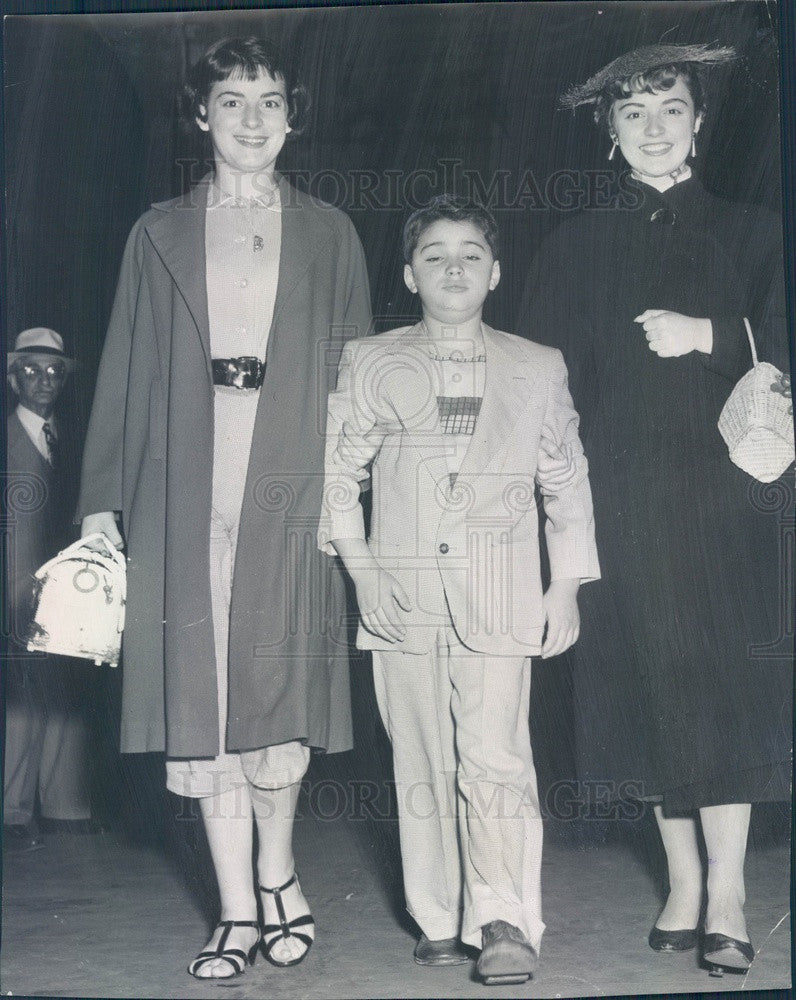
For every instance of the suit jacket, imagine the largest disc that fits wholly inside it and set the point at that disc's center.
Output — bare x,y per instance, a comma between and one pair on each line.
35,514
149,453
473,548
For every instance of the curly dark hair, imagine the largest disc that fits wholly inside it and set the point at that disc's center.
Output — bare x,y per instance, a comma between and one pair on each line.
448,206
245,57
662,78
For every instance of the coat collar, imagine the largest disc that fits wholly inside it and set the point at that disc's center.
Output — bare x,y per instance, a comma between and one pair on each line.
509,378
178,234
414,386
299,243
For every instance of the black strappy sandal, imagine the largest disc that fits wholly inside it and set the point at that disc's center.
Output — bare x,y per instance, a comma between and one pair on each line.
237,958
285,928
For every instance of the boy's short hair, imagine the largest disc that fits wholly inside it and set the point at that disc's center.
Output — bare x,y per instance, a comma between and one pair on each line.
448,206
245,57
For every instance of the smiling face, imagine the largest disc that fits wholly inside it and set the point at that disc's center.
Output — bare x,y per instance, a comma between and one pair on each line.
654,130
452,271
247,122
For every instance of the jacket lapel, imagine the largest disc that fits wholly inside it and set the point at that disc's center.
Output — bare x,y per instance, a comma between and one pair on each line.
413,384
509,380
179,237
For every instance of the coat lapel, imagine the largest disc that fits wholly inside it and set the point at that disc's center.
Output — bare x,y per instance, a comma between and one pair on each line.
297,247
179,238
413,384
509,380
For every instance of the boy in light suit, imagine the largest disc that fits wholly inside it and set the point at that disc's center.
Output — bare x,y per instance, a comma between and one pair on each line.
455,423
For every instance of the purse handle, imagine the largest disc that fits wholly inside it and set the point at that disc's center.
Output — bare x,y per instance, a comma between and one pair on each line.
751,341
114,556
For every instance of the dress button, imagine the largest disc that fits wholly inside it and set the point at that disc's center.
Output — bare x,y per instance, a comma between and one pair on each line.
242,282
443,548
240,239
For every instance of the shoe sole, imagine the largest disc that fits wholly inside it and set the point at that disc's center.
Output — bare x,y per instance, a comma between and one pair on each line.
499,970
507,979
718,964
432,962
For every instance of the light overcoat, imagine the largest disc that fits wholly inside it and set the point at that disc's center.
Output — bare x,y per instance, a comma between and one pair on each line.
474,548
149,454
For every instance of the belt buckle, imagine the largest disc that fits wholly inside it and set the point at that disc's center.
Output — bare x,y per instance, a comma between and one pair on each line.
239,373
246,372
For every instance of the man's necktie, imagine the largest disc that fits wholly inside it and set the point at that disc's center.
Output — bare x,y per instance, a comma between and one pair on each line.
52,443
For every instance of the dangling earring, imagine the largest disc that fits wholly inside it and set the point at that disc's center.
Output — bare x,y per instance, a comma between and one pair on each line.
613,148
693,145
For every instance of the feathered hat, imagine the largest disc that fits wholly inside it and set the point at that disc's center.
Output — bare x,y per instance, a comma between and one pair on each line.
643,60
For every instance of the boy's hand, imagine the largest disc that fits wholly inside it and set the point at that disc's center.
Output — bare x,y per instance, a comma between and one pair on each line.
378,593
560,604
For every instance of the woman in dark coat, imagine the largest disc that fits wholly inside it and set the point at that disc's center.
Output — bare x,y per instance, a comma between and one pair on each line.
682,694
206,442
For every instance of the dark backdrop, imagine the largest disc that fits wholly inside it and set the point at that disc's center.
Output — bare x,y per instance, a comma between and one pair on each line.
407,101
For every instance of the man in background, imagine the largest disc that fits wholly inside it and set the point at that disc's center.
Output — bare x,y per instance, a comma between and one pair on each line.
47,697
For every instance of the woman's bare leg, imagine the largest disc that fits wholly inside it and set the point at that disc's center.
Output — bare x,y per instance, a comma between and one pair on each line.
725,829
679,836
228,821
274,812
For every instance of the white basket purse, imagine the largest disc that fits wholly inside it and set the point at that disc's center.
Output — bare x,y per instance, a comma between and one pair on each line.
757,420
79,603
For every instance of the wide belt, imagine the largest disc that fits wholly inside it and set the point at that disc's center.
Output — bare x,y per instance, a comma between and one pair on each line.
239,373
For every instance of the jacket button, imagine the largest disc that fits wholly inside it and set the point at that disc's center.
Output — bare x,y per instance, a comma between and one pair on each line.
443,548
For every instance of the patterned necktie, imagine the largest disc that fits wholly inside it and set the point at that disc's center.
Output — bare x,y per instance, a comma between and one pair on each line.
52,443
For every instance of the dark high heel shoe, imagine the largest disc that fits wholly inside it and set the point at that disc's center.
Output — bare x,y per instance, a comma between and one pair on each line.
673,940
285,928
721,954
236,958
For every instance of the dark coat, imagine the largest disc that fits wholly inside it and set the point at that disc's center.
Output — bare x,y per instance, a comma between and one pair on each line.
682,673
149,454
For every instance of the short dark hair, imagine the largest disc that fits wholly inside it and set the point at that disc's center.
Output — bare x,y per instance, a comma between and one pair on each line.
245,57
448,206
662,78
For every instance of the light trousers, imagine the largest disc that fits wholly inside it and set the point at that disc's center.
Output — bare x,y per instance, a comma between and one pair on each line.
468,805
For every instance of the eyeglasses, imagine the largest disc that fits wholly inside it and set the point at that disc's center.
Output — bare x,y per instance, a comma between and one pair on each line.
55,372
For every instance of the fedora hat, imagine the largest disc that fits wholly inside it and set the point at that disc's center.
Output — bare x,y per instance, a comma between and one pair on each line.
39,340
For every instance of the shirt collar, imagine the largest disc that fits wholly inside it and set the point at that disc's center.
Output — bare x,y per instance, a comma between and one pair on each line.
683,175
32,422
218,198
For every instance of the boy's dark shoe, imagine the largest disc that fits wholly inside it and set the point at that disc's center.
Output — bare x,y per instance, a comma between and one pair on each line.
446,951
21,838
507,957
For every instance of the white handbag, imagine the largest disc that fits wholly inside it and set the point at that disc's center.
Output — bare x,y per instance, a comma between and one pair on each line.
79,603
757,420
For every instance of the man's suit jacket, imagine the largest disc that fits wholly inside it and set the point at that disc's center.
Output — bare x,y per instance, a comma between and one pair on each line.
473,548
34,509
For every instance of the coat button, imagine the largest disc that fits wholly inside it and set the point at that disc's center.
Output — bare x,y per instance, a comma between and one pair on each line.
443,548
